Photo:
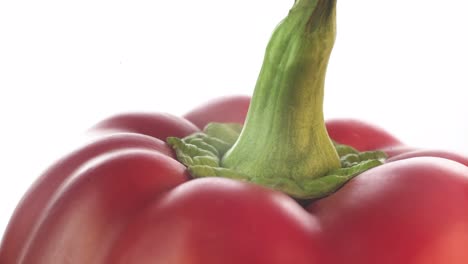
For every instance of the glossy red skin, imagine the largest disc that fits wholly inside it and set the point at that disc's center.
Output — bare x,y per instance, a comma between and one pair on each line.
396,150
360,135
157,125
408,211
84,220
229,109
124,199
111,137
431,153
214,220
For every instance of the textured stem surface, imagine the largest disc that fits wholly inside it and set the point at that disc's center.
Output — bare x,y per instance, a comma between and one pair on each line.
284,134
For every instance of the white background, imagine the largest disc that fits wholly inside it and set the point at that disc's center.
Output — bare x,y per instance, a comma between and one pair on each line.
65,65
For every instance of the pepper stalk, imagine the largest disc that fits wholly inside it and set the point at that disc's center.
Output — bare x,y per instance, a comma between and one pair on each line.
284,133
284,143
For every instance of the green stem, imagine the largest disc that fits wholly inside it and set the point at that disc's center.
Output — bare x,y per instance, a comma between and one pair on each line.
284,134
284,144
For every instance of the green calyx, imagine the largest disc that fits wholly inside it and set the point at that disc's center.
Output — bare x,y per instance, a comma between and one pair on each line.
284,143
202,154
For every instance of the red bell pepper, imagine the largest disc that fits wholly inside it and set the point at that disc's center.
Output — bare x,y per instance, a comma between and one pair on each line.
128,197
